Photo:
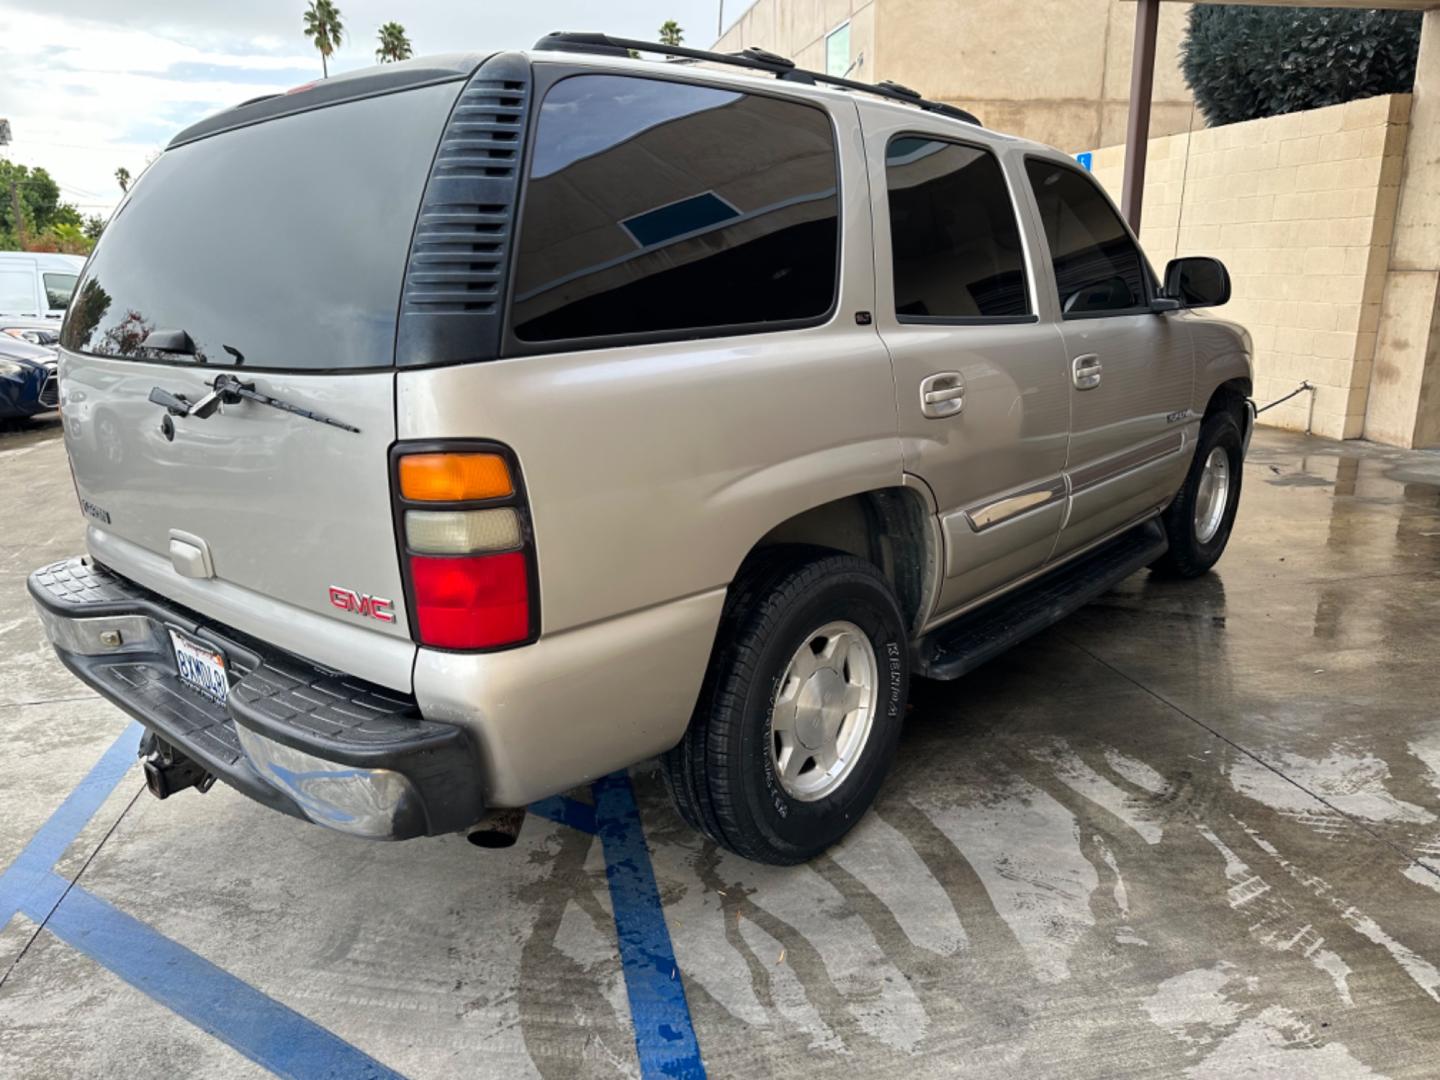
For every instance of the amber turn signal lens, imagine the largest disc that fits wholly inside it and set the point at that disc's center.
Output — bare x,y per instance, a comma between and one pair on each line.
454,477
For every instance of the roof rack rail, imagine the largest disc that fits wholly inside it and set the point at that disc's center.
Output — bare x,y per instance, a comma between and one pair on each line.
752,58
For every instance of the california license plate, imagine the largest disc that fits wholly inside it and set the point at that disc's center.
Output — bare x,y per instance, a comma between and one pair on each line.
200,667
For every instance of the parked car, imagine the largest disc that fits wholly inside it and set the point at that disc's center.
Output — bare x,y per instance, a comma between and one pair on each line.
656,410
35,331
37,283
27,379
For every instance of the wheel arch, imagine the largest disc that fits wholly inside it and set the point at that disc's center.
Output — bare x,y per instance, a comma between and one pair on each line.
1230,394
893,528
1233,396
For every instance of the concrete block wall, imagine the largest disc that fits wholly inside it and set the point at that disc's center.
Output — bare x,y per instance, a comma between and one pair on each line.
1301,208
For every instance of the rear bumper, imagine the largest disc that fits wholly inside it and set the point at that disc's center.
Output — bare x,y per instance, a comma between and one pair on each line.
300,739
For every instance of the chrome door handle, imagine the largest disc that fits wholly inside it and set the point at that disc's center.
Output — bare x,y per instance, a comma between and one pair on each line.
1085,371
942,394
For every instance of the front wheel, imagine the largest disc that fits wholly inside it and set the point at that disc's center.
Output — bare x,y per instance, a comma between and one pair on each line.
1198,521
800,713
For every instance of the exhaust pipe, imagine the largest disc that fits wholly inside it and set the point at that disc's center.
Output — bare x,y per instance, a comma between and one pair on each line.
498,828
168,771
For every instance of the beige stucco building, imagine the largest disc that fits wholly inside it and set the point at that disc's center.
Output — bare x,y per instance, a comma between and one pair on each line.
1017,64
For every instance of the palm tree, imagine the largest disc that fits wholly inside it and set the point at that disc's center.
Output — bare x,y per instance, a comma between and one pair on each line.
322,24
122,177
670,33
394,45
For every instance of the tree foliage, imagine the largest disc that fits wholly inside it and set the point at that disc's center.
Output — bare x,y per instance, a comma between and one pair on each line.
394,45
324,29
47,223
1244,62
87,307
671,33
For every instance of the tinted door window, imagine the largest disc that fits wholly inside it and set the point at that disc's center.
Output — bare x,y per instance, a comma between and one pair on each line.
954,240
281,245
1098,268
662,207
58,288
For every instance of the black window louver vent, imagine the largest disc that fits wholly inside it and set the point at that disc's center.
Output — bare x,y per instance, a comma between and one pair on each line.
451,308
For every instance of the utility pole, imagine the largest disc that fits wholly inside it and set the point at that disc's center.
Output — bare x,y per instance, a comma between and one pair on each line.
720,22
19,217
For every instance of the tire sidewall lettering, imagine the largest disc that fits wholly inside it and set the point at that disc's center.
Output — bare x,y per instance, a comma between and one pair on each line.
891,655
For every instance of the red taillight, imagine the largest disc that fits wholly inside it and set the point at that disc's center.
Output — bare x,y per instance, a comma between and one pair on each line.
467,547
471,602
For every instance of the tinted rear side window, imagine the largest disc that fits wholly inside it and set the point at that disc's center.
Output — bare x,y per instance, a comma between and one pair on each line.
58,288
1098,268
280,246
954,239
656,206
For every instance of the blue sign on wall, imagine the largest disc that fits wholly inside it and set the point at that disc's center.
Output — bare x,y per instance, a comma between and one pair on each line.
1085,159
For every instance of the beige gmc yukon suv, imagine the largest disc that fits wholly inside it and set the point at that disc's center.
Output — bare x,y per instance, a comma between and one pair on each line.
456,432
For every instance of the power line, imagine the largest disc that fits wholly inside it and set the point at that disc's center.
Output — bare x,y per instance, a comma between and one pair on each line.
27,181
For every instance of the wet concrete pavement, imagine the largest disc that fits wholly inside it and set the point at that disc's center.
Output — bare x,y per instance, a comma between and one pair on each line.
1194,830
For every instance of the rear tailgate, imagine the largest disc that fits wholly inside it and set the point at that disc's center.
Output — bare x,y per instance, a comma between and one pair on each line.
274,253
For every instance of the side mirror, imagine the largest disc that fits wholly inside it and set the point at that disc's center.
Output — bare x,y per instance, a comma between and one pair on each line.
1196,281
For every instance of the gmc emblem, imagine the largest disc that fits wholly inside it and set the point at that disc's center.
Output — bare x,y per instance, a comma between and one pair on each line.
362,604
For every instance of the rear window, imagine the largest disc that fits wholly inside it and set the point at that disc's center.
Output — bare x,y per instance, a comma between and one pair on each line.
657,207
279,246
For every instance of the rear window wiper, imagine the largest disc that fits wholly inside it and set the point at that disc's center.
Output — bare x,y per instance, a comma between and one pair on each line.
228,390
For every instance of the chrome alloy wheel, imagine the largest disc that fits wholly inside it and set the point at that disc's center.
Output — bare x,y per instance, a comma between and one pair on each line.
824,710
1212,495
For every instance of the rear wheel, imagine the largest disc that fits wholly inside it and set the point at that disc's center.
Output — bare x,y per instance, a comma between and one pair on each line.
800,712
1198,522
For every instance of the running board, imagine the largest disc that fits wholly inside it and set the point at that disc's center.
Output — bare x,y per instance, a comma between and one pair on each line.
959,647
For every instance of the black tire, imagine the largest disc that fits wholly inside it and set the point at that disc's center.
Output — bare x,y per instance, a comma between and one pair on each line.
1188,557
721,777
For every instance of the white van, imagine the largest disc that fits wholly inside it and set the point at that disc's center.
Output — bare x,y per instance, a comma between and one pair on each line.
37,283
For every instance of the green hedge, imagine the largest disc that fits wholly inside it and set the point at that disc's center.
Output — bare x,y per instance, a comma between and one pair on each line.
1244,62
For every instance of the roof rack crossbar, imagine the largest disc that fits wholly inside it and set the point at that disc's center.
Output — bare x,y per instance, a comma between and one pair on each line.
752,58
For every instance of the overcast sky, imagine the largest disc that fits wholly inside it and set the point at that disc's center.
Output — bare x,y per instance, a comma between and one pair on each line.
90,85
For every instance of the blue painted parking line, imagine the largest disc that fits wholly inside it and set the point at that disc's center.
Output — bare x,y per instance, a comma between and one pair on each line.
565,811
664,1033
29,882
268,1033
274,1035
265,1031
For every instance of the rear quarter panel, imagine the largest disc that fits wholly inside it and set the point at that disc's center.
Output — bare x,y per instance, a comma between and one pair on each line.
652,470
